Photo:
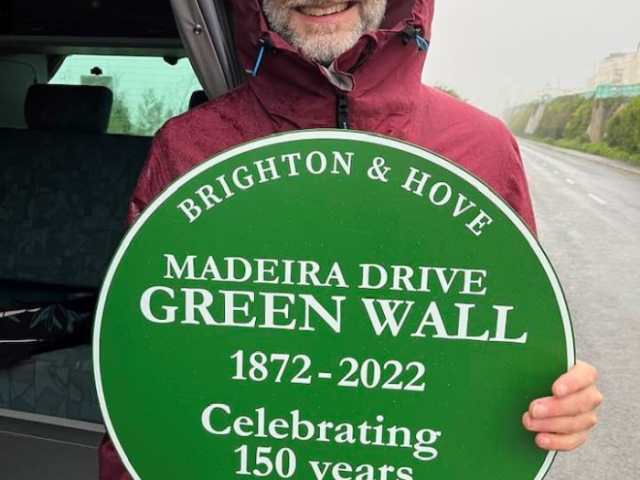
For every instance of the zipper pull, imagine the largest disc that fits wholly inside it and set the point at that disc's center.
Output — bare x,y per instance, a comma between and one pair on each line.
343,112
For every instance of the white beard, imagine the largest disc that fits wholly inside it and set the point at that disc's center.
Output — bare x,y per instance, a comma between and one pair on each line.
320,44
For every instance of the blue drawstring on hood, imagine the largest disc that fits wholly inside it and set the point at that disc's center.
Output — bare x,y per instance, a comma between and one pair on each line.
265,47
422,43
256,67
412,33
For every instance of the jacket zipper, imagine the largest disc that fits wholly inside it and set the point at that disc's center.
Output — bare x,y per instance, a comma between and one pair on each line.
343,104
342,112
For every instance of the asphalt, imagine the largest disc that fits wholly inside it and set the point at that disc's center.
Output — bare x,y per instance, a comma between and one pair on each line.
588,214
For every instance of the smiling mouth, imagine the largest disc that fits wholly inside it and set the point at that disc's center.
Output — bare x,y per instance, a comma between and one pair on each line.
325,9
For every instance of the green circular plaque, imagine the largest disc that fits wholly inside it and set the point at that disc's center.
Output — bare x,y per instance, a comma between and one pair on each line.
328,305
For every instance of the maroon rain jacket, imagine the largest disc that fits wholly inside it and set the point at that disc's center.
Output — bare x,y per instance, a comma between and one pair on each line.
375,87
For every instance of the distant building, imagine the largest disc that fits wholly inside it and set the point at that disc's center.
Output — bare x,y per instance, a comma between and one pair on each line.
549,92
618,69
617,76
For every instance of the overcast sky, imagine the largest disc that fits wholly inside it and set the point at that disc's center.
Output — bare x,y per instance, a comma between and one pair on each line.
497,51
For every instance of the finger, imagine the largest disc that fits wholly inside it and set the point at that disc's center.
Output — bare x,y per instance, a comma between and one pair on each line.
563,443
582,402
565,425
581,376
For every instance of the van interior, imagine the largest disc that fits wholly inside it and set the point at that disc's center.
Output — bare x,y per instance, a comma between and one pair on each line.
84,85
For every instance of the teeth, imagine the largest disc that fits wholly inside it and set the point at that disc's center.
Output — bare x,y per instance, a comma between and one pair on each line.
318,12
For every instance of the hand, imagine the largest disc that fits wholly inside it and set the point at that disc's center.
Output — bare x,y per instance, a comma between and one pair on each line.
564,420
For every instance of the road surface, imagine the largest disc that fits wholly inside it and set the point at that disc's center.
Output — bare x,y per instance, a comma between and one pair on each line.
588,214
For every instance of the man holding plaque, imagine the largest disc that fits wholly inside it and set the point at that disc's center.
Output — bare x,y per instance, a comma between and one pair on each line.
357,65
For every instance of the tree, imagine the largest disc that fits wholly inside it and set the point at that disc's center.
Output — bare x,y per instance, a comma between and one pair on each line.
578,125
557,115
521,118
152,113
623,130
120,121
449,91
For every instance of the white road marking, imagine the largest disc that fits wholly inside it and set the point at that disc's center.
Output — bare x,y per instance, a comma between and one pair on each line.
597,199
569,181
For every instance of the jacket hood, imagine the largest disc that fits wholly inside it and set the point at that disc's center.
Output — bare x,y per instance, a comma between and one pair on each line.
387,54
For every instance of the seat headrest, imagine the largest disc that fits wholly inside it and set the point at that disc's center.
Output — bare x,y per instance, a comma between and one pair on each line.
76,108
198,98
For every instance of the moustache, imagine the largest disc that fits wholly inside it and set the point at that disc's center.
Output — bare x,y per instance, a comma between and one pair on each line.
314,3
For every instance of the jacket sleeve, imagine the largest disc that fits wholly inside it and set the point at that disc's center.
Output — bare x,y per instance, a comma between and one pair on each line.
518,189
156,174
111,467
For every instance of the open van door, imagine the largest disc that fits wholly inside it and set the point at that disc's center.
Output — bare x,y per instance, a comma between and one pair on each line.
206,31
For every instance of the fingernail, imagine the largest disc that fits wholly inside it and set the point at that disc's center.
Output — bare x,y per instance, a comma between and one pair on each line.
543,442
561,390
539,410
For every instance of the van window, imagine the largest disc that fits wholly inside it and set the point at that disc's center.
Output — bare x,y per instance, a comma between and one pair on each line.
147,90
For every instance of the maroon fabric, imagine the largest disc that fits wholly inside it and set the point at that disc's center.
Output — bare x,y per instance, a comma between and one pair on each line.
111,468
292,93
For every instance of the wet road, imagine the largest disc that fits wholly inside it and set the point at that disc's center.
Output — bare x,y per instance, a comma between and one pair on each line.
588,214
